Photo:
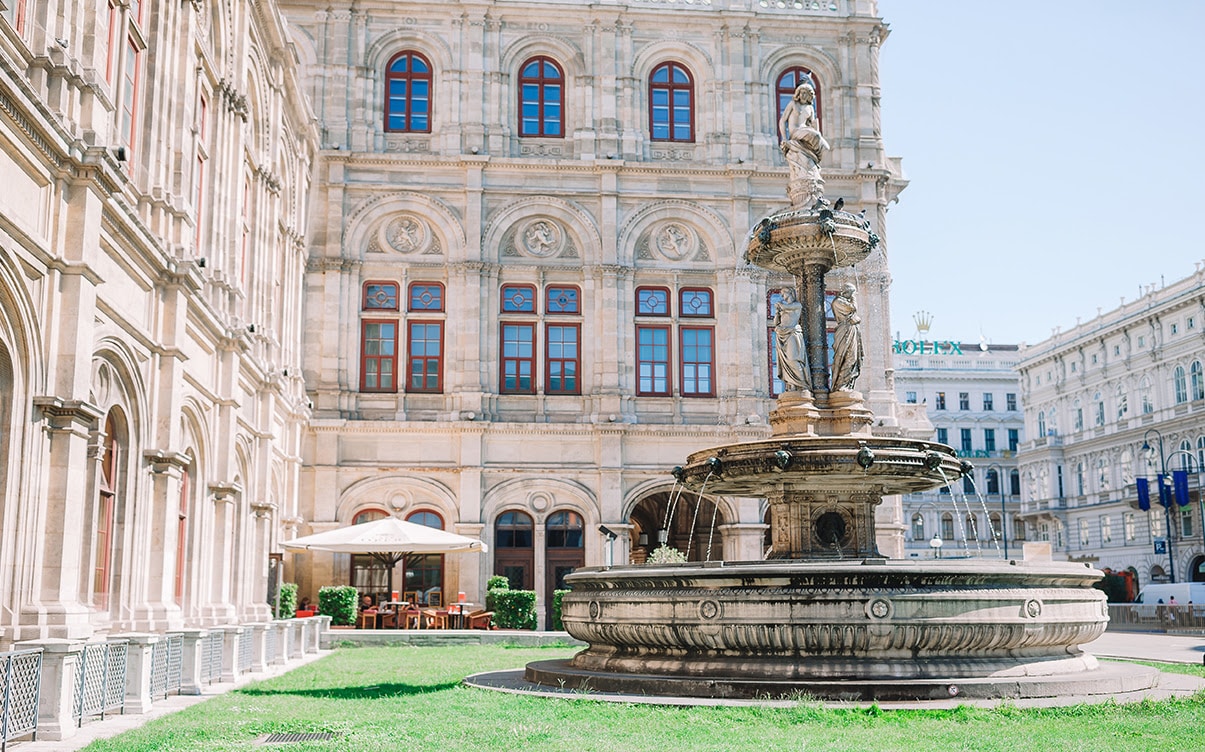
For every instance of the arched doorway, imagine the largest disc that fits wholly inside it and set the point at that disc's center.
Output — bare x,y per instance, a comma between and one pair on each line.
564,551
1197,568
683,522
514,549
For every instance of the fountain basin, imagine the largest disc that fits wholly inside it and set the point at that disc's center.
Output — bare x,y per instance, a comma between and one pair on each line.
781,626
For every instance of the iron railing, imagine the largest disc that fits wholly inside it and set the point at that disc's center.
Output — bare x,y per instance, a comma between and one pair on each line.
1156,617
211,656
101,683
167,661
21,672
244,649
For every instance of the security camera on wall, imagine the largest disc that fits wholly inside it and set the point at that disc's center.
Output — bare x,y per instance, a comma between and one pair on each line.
611,535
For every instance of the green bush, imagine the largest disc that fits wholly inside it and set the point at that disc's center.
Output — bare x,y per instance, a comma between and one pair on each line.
339,602
287,601
514,609
557,595
497,582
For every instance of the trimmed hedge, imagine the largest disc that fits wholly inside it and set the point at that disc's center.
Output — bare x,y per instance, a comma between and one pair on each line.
557,595
288,601
514,609
497,582
339,602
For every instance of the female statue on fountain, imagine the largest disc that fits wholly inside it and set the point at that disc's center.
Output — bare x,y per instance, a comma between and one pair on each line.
792,357
802,145
847,340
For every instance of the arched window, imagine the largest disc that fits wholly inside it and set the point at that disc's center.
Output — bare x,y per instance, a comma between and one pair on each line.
1077,415
1200,454
993,482
1180,384
784,90
408,93
1099,407
182,530
1018,529
424,573
541,98
1041,424
1014,483
1198,380
994,520
971,528
947,526
1144,395
1052,423
671,103
1079,479
369,575
514,552
918,527
105,525
1123,402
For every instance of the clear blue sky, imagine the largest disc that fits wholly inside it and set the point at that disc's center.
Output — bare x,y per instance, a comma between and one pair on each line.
1055,153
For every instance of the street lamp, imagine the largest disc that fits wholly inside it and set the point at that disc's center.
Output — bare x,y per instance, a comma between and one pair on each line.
1167,512
1003,509
935,544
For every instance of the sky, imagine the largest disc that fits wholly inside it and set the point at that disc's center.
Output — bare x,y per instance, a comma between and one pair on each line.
1054,153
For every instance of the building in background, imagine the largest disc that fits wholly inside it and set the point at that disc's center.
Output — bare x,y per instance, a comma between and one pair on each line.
970,393
154,164
526,292
1109,403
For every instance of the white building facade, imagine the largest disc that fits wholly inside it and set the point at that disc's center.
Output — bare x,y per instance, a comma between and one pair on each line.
1115,399
154,163
970,393
526,292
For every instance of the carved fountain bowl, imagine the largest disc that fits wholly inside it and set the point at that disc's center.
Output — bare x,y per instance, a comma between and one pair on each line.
820,463
781,626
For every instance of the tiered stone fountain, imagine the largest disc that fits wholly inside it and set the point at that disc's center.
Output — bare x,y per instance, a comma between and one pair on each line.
826,614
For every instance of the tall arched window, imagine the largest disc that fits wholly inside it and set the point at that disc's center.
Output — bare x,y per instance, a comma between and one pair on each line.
1041,424
514,549
1123,402
1014,483
408,93
671,103
947,526
1180,384
182,530
369,575
1144,394
993,482
541,98
1077,415
425,574
105,525
1099,406
918,527
784,90
1197,380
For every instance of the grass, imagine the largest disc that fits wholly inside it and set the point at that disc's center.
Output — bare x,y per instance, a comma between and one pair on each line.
410,698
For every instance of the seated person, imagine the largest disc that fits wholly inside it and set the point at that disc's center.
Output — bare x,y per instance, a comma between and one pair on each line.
367,605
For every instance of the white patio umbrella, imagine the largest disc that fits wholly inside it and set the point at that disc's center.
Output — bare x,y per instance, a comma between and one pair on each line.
388,541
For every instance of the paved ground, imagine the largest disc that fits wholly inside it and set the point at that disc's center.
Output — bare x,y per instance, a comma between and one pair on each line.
1133,645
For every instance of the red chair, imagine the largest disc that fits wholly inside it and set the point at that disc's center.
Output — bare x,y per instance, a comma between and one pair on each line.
480,619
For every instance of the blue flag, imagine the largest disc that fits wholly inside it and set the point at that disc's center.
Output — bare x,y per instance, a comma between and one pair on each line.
1144,493
1165,490
1180,483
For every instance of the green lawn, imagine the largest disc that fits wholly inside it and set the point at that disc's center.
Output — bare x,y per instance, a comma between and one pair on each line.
408,698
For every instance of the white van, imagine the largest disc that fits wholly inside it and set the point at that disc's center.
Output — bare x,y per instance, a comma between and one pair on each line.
1184,592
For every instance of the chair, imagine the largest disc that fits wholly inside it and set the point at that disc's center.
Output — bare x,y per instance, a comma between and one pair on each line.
411,597
388,619
367,619
412,618
480,619
435,598
435,619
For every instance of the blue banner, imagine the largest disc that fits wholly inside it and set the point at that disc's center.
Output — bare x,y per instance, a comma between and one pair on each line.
1144,493
1165,490
1180,483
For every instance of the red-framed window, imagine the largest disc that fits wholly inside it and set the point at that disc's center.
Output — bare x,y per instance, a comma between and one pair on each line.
378,358
19,16
784,89
652,301
697,375
424,349
561,299
426,296
541,98
408,93
695,302
518,299
102,557
182,533
424,573
671,103
380,296
111,52
129,96
518,358
562,359
653,360
202,127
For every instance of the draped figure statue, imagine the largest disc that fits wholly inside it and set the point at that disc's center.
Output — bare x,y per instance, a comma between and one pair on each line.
788,334
802,145
847,341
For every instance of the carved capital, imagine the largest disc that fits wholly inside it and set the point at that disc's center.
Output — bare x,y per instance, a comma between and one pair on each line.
164,461
68,415
224,492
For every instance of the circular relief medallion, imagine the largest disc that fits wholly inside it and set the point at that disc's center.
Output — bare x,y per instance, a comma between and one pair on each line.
541,238
676,242
880,609
709,609
405,234
595,609
1033,608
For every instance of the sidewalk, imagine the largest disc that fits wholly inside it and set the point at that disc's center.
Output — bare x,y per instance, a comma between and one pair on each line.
1149,646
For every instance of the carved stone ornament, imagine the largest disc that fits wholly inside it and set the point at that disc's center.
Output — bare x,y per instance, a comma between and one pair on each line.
540,237
676,241
405,234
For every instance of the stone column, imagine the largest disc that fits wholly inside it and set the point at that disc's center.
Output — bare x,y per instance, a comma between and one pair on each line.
139,656
56,702
190,667
322,625
297,643
230,651
258,634
282,642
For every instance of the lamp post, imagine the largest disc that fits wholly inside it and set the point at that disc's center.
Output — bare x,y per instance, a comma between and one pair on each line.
935,544
1167,512
1003,509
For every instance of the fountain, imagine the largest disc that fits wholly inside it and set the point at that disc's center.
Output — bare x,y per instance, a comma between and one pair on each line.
825,614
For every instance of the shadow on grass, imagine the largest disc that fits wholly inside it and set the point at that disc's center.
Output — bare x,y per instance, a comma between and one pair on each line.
371,692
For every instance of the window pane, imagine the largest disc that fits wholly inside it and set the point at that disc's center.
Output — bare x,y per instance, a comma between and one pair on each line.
696,303
562,300
426,297
518,299
381,296
652,302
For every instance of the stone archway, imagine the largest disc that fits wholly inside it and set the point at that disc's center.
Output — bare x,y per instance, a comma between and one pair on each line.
1196,569
690,527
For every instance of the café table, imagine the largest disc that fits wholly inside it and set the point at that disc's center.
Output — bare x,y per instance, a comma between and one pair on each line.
398,608
460,617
